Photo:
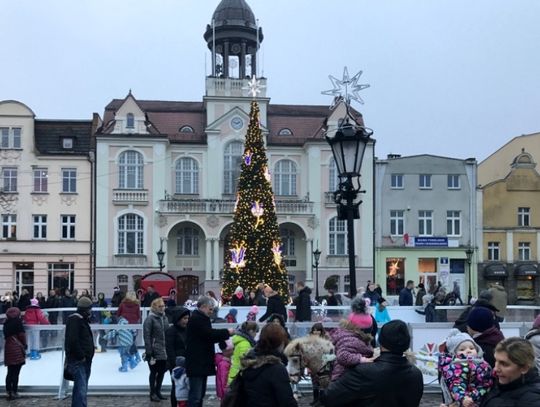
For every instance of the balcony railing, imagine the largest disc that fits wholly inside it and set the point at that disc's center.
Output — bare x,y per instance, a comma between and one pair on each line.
135,196
225,206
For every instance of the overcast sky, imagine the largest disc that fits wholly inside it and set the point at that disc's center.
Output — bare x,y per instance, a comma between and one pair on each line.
456,78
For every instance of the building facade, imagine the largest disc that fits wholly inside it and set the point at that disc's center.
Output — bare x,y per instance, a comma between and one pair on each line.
45,201
426,218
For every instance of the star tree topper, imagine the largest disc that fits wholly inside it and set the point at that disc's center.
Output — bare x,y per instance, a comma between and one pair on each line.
254,86
347,88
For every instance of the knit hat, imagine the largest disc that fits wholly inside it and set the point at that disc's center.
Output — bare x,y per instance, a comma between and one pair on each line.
456,338
395,337
84,302
536,323
480,319
362,321
233,311
239,290
254,309
34,302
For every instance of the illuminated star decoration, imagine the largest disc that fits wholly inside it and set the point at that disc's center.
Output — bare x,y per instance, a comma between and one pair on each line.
257,211
346,89
393,268
237,256
247,157
254,87
276,249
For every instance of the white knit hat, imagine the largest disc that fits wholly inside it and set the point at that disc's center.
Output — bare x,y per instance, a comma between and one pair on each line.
456,338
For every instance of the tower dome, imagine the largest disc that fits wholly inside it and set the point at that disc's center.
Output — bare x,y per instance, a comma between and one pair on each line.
233,35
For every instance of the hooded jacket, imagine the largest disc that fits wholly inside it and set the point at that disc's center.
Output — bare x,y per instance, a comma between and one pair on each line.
130,310
242,343
175,337
303,305
35,316
15,338
352,347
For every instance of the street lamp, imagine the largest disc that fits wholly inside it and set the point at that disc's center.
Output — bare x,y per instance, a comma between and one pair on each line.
348,145
316,258
160,255
469,253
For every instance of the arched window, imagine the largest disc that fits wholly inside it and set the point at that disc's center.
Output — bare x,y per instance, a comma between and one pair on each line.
130,234
337,236
187,176
186,129
130,121
130,170
333,179
187,241
287,240
285,178
285,132
231,170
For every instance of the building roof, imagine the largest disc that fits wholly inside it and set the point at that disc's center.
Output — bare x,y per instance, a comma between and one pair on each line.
49,135
234,12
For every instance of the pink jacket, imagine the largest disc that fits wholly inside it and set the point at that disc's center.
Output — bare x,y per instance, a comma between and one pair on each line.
223,365
351,348
35,316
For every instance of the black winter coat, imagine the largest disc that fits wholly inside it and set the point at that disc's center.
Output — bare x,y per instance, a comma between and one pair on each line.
238,302
488,340
200,340
519,393
461,322
390,381
266,381
175,338
79,342
274,306
303,305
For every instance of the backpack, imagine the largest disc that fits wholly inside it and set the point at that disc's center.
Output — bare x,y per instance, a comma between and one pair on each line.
236,394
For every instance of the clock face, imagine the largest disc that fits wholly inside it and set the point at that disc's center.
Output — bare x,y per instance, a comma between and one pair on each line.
237,123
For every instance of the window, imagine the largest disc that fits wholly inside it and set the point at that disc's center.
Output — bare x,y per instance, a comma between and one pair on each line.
9,226
396,223
186,129
287,242
130,234
9,179
395,275
396,181
187,241
425,223
68,226
69,180
292,284
333,179
494,252
425,181
338,237
40,180
130,121
131,170
67,143
524,251
285,178
346,284
122,281
10,137
285,132
453,223
524,216
232,161
453,181
40,226
187,176
61,276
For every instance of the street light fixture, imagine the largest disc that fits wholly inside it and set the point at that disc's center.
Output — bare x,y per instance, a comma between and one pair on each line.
348,145
316,258
160,255
469,253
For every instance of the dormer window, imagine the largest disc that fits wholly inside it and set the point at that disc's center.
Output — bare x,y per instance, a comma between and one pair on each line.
130,121
186,129
285,132
67,143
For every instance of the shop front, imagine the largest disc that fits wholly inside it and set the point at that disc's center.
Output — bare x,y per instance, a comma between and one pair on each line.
526,276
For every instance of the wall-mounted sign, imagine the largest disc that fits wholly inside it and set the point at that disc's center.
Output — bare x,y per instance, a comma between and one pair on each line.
432,241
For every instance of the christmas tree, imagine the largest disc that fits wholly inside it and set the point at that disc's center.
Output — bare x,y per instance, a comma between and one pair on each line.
254,252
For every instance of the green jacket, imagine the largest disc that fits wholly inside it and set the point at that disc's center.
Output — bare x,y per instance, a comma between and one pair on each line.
241,345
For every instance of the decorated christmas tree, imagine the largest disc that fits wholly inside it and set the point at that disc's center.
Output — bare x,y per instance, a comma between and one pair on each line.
254,252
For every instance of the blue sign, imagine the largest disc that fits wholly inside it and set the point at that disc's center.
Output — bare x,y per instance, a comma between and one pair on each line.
431,242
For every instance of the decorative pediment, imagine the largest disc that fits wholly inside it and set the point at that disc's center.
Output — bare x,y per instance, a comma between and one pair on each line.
235,120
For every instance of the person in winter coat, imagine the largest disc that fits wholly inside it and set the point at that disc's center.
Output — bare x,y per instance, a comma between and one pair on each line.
34,316
41,299
124,339
406,294
518,383
180,383
243,341
238,299
303,302
265,377
259,299
130,309
14,350
176,345
351,340
117,297
150,295
533,336
499,300
154,328
480,326
274,305
230,318
24,300
484,300
67,301
200,354
381,314
79,346
421,291
223,366
252,314
372,294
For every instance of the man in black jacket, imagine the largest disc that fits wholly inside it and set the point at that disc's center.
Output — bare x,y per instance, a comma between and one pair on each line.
79,345
390,381
274,305
303,302
200,340
175,342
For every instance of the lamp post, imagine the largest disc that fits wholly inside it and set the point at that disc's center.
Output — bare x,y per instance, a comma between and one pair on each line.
469,253
316,258
348,145
160,255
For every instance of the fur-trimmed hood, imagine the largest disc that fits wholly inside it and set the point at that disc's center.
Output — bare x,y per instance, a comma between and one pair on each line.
346,325
254,361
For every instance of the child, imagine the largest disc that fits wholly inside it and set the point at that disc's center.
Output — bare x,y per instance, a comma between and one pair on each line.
252,314
125,340
465,376
181,382
223,365
318,330
231,316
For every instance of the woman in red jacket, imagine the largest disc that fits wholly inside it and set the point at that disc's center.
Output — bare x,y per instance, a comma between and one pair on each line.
131,310
14,350
34,316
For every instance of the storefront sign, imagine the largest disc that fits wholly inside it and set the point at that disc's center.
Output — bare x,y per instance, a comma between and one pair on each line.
430,241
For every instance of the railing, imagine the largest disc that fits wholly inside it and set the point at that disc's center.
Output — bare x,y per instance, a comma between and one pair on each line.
121,196
226,206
